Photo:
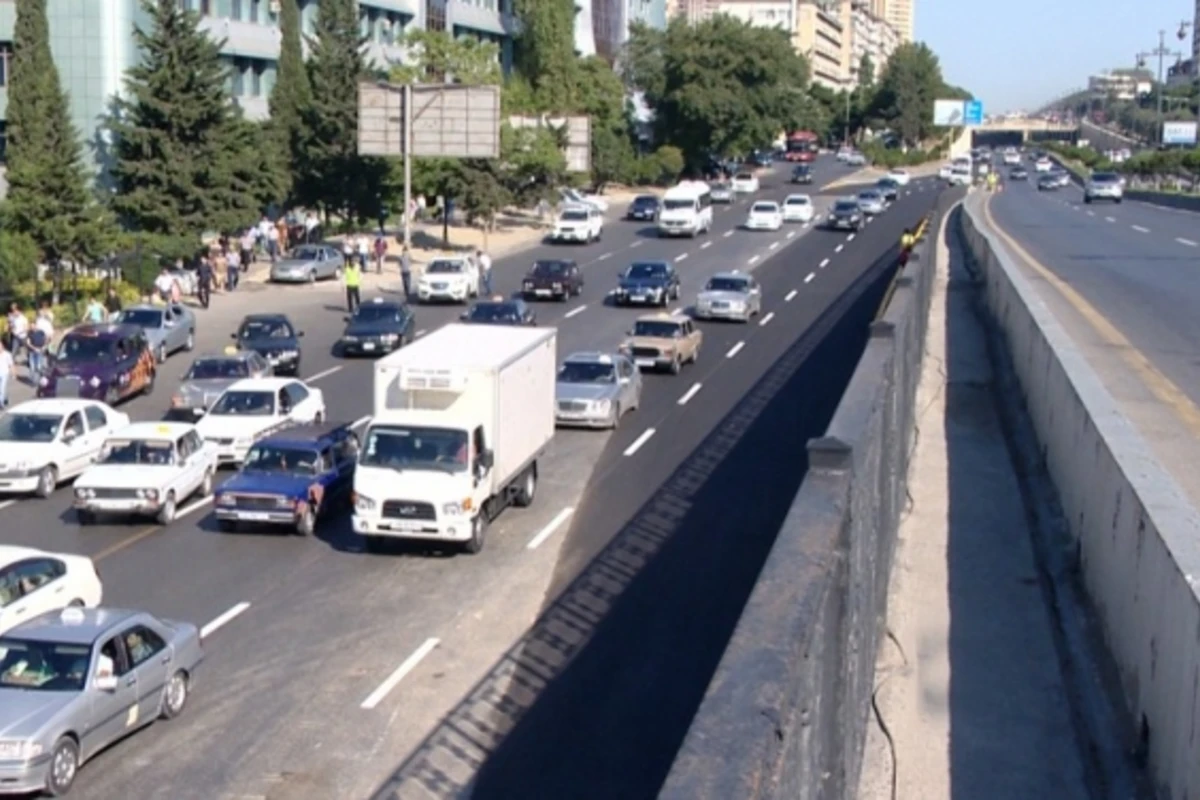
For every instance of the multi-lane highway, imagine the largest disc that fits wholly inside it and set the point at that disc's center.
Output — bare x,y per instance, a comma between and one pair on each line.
327,667
1126,281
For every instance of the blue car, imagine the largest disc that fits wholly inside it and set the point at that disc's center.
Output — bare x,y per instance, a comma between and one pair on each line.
291,479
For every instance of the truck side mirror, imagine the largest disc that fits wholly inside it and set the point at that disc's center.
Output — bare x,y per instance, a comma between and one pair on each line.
487,459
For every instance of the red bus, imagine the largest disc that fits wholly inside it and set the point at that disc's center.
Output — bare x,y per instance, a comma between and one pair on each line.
801,146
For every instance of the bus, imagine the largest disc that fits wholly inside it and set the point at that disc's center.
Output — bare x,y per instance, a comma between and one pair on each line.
802,147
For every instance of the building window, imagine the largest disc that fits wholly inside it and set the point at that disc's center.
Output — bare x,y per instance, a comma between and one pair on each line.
254,9
6,51
435,15
256,80
235,10
206,8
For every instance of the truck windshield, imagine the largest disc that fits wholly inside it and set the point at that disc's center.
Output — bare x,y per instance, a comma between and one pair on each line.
402,447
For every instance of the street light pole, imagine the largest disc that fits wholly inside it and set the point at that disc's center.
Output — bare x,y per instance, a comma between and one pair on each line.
1162,52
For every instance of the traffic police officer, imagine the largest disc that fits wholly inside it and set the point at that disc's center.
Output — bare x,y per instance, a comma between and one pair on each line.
352,276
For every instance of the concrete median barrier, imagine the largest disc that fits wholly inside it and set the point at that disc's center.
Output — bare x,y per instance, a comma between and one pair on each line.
785,715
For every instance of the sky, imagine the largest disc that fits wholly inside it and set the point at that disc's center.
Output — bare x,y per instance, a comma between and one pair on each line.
1021,54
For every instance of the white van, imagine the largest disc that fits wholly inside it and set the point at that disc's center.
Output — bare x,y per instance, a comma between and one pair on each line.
686,210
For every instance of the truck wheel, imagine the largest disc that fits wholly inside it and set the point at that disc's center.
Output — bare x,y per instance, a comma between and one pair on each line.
525,495
478,533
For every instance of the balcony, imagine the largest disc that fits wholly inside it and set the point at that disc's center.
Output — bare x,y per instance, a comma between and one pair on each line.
467,15
247,39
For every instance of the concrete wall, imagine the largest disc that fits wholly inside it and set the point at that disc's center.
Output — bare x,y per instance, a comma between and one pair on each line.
785,716
1137,539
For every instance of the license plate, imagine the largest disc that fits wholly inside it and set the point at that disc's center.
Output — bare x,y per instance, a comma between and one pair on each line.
254,516
542,292
646,362
368,345
402,526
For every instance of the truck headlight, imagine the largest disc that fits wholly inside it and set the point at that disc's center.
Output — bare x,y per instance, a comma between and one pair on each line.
363,503
452,509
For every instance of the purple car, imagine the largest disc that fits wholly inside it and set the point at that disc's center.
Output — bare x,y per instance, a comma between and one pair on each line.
101,362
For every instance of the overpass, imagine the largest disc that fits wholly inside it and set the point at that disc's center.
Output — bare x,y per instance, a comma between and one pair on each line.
1017,132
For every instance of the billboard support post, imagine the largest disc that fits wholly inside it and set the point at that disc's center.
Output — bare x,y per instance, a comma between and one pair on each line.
408,137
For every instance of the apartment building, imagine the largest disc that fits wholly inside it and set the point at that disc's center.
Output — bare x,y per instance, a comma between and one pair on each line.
93,45
871,36
899,14
780,14
822,36
1121,84
692,10
611,20
585,33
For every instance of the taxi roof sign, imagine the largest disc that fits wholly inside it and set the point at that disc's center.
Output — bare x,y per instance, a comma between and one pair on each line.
377,300
73,615
230,350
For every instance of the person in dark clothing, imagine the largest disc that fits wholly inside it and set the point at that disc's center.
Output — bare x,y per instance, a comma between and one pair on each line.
232,276
112,303
204,281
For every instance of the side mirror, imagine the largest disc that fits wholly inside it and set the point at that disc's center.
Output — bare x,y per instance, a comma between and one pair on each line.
69,436
487,459
106,683
233,336
346,319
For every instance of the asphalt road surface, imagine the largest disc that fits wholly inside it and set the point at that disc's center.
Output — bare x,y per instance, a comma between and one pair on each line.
327,668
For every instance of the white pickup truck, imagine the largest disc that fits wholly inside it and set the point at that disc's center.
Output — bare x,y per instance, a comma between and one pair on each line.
461,418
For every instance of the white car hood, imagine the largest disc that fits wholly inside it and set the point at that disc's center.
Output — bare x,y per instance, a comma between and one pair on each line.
125,476
234,427
763,216
35,453
380,484
798,208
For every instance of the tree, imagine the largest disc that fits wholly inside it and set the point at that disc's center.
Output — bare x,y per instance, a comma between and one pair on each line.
725,86
291,95
438,57
332,176
908,88
49,197
545,52
181,144
866,73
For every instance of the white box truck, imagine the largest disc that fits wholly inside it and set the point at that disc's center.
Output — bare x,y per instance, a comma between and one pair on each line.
460,420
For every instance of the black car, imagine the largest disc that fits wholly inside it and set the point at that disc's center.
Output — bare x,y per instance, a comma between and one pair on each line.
888,187
274,337
644,207
761,158
499,311
653,283
802,173
846,215
1018,174
1048,183
556,279
377,328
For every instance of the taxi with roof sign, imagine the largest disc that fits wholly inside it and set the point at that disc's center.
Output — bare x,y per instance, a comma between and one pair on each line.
100,362
594,390
257,407
663,341
147,469
291,479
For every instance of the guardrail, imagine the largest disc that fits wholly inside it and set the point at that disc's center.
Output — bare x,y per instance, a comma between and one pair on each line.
1136,539
785,715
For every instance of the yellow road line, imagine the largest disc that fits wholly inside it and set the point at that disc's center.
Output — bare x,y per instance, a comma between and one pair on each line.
1163,388
128,541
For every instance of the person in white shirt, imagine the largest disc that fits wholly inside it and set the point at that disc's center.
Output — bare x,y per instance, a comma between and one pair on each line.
363,248
484,262
8,371
164,285
18,329
348,249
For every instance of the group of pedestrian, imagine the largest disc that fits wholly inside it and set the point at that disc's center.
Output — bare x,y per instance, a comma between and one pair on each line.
352,273
33,339
361,250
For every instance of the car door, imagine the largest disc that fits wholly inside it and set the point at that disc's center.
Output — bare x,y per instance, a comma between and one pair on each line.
151,660
169,327
303,404
189,451
74,438
113,713
98,428
43,584
14,607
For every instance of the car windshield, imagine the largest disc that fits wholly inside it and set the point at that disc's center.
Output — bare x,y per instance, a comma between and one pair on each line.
547,269
402,447
244,403
142,317
797,201
304,254
442,266
273,458
494,312
574,216
720,187
887,183
743,176
764,208
204,369
152,452
265,329
727,285
645,200
678,204
42,666
869,196
29,427
657,330
1105,177
644,271
846,206
80,349
587,372
377,313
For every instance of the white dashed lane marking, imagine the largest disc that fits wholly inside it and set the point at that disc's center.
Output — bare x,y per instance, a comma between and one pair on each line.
376,697
770,316
811,275
574,311
1188,242
737,348
680,257
790,296
824,263
838,249
1140,229
753,260
689,394
552,526
638,442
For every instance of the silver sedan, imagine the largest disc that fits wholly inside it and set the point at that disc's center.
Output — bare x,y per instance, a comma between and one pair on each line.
168,328
729,296
74,681
308,263
594,390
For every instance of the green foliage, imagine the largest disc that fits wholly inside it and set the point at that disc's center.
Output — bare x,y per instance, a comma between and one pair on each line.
670,163
719,86
889,158
181,153
49,197
18,257
866,73
533,161
439,57
331,175
911,82
290,96
545,53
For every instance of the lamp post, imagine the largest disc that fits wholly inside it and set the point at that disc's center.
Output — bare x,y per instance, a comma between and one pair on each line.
1162,52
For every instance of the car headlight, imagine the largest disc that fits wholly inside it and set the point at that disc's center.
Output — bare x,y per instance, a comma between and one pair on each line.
284,502
452,509
94,382
362,503
148,494
349,338
601,406
84,494
22,466
226,500
19,750
389,337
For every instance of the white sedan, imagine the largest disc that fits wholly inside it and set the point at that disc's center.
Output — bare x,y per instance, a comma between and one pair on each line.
256,407
45,442
797,208
33,582
745,183
900,176
764,216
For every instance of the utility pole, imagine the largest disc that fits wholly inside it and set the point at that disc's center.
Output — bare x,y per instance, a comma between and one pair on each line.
407,133
1162,52
846,136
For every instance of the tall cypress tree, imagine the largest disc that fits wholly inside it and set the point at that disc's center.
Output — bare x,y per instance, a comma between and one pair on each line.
292,93
49,196
180,151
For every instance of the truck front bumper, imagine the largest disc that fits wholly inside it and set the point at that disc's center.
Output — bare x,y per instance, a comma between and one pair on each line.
447,529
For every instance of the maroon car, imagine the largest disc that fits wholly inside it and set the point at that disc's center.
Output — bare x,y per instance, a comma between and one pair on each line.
100,362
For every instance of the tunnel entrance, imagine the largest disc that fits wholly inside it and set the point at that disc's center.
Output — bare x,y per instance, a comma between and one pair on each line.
996,139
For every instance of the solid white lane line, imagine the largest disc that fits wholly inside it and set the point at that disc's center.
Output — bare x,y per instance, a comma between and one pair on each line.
790,295
223,620
824,263
7,503
811,275
636,244
638,442
1140,229
753,259
838,249
552,526
906,194
358,423
689,394
420,333
681,257
706,245
850,238
727,234
606,255
770,316
195,505
737,348
773,245
1109,219
791,234
325,373
1179,239
574,311
376,697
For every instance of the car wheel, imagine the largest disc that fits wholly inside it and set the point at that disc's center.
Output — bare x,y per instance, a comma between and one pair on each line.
312,276
206,485
64,766
161,354
479,525
175,695
1117,201
166,514
146,390
190,343
307,524
318,418
528,490
47,481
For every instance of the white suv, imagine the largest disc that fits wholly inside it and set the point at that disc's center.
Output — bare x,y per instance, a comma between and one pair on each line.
1104,186
578,223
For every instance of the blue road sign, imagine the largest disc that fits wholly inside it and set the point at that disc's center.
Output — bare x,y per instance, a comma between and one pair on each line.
973,112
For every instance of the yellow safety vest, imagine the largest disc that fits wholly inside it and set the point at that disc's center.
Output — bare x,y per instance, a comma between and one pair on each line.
353,277
906,241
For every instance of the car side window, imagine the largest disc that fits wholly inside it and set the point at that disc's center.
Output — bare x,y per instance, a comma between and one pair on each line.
111,659
184,446
297,393
38,572
96,417
194,441
74,425
142,644
10,592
